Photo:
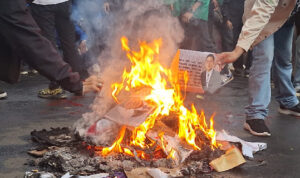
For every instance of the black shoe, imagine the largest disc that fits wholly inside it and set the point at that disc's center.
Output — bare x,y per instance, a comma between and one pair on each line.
294,111
3,94
257,127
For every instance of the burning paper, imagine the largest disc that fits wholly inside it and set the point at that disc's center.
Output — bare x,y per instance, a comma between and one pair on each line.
146,94
129,117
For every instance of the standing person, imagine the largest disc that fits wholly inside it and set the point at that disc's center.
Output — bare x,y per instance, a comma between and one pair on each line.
268,30
21,36
297,56
54,19
233,11
195,21
217,19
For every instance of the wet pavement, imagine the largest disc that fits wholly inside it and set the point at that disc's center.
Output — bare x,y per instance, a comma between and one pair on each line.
23,112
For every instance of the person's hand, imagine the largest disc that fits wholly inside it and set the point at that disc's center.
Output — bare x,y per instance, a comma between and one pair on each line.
92,84
172,7
187,17
216,5
106,7
229,57
229,24
82,48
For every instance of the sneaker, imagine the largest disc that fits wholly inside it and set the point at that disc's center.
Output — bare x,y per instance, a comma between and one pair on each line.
3,94
33,72
52,94
294,111
24,72
257,127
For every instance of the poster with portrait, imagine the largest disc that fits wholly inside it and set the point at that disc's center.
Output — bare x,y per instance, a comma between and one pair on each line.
204,75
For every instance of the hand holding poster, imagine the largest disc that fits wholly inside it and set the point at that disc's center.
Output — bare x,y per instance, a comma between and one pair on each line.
204,74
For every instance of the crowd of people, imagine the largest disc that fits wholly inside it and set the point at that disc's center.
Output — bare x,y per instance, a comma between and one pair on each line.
256,42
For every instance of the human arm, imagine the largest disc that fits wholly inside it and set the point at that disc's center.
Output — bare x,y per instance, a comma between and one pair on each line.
188,15
259,17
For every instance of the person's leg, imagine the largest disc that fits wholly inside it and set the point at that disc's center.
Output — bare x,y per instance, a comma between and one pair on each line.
239,63
204,37
186,43
297,66
45,18
227,37
227,45
23,35
259,80
260,88
282,69
66,33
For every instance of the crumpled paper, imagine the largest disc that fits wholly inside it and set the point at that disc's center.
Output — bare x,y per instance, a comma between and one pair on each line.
146,172
101,175
248,148
157,173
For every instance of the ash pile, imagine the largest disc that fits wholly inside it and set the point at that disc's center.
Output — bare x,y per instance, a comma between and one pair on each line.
110,145
60,151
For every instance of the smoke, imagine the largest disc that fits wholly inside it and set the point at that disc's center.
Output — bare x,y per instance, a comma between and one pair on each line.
138,20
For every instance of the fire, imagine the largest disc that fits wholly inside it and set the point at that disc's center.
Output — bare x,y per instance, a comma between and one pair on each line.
116,147
146,72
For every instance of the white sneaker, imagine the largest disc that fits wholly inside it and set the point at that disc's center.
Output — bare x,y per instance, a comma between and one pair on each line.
3,94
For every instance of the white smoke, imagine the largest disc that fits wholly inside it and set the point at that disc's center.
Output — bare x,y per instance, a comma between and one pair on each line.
138,20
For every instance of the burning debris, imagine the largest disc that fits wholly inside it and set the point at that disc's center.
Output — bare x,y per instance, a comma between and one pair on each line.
148,93
149,126
139,120
155,129
81,158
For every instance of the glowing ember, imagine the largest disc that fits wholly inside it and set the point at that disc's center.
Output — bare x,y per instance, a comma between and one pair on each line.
165,97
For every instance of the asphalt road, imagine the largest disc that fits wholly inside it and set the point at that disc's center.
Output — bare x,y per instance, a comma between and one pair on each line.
23,112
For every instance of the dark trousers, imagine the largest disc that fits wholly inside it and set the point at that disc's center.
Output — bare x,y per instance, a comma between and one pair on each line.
9,71
197,36
22,34
221,26
55,21
237,28
225,33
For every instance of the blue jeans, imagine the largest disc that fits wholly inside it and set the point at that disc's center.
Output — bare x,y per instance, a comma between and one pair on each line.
297,65
276,50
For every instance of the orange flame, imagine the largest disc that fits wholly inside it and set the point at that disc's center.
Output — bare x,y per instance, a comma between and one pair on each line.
116,147
172,154
146,72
